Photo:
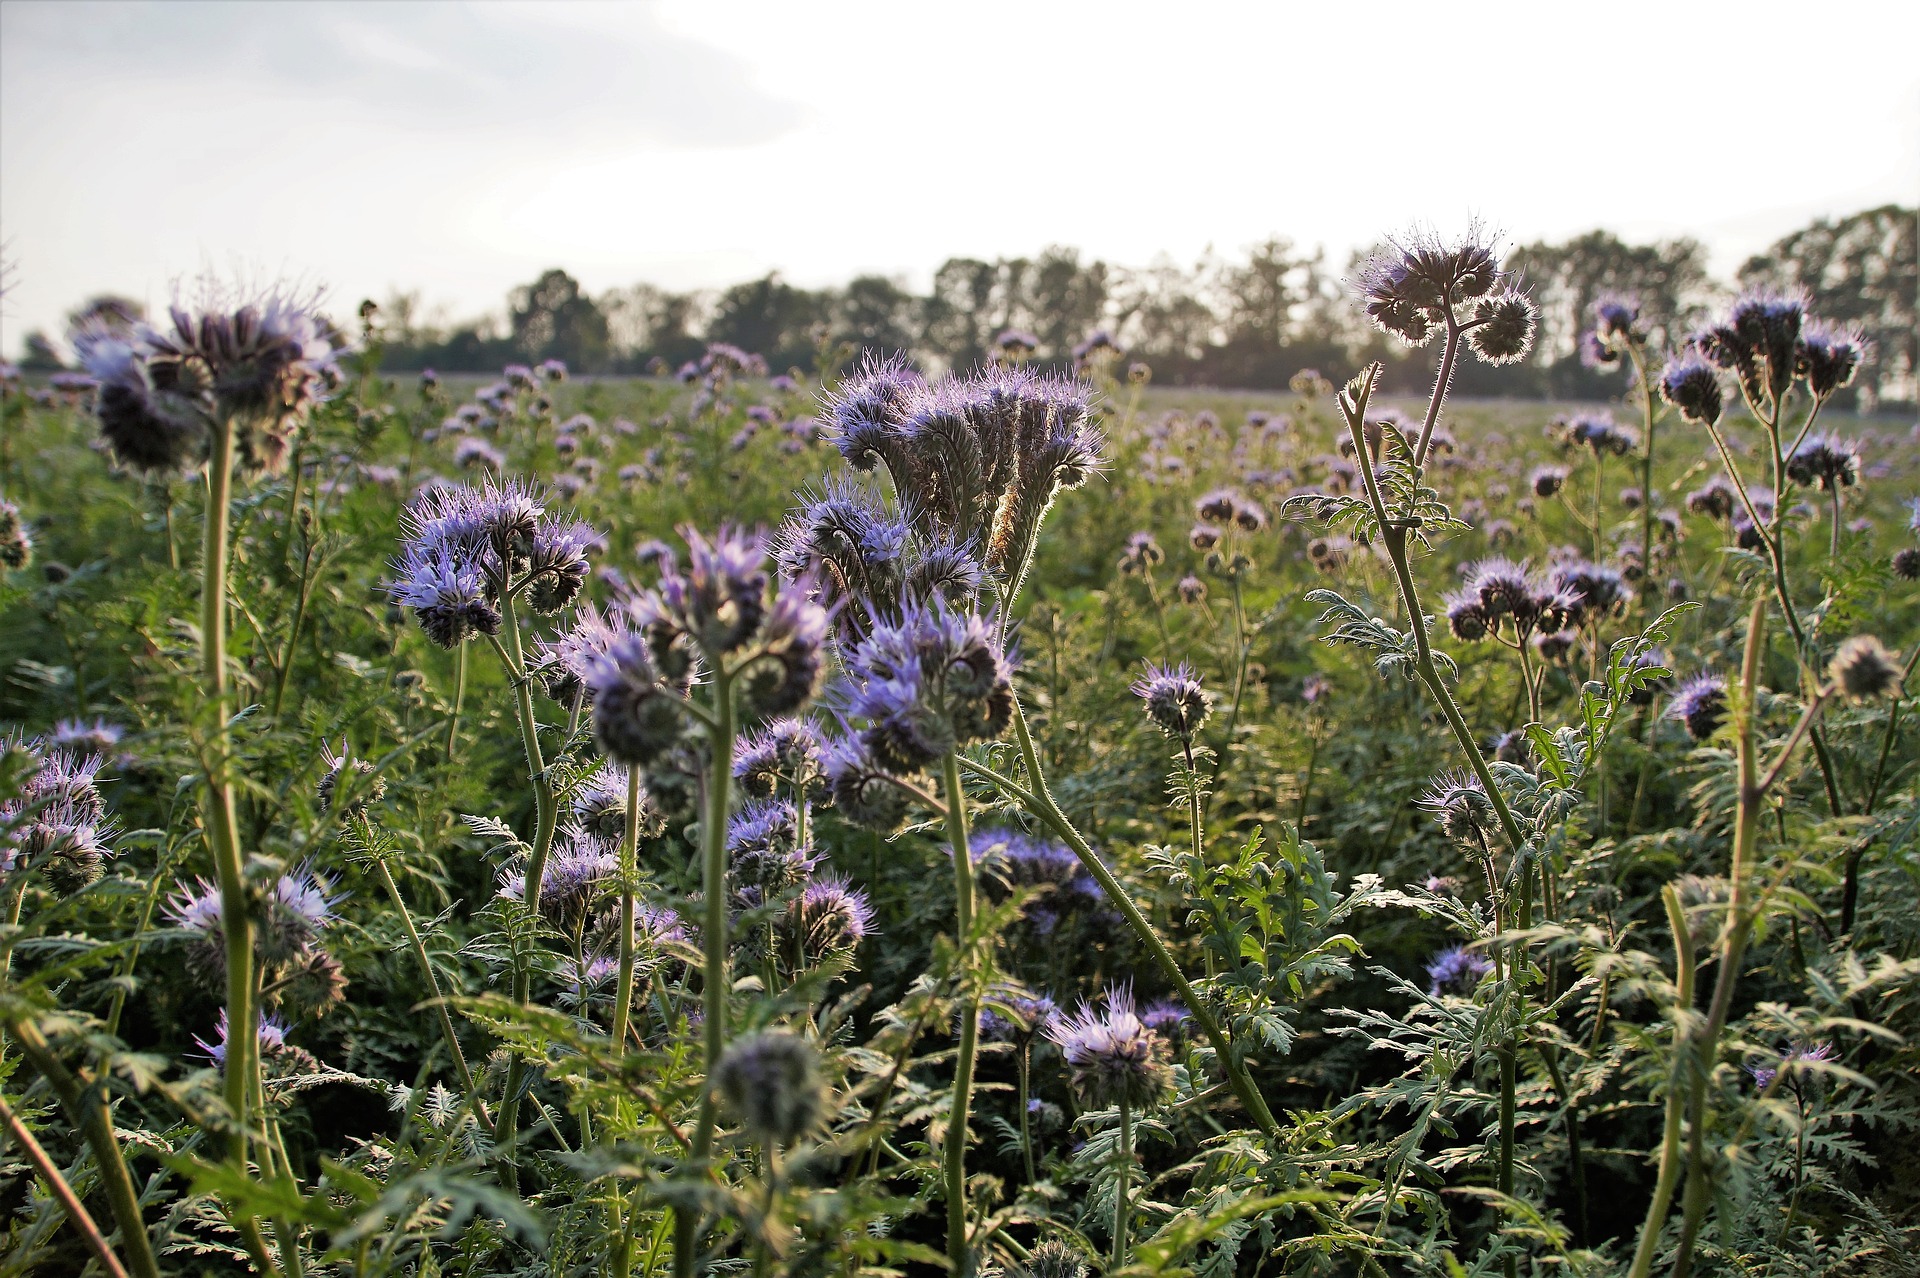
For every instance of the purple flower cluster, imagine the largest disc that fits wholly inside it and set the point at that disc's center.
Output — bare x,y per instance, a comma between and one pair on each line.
58,826
1418,287
261,363
296,910
1113,1058
1457,971
979,459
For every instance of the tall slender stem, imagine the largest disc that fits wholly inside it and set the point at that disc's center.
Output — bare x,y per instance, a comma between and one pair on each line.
236,920
1676,1088
87,1110
956,1144
1040,803
77,1214
426,969
715,983
1123,1174
1704,1051
459,695
546,814
629,859
1649,419
1508,1085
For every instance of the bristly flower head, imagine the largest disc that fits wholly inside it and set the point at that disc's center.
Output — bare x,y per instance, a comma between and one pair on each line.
771,1084
1615,315
1114,1059
1503,327
1798,1055
783,757
261,363
1410,290
273,1038
1760,341
1457,971
1053,1259
579,871
936,681
1827,460
368,787
16,545
1832,356
1600,433
1460,803
638,716
828,917
1690,384
1700,704
1174,698
1864,670
862,790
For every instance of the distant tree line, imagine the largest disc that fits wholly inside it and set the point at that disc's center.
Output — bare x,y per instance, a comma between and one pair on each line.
1248,322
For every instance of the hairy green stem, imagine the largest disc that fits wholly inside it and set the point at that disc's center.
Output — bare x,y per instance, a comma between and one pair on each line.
629,861
223,836
955,1153
1039,802
77,1215
715,982
459,695
86,1109
426,970
1669,1170
546,815
1123,1174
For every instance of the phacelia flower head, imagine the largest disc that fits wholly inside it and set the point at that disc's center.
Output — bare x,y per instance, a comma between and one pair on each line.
1600,433
261,363
937,680
771,1084
1864,670
579,871
1457,971
367,786
1826,460
784,757
1799,1055
1832,356
1174,699
863,791
1053,1259
272,1040
1114,1058
1716,498
827,917
1503,327
1700,704
16,544
1547,480
450,598
1760,341
638,716
1460,803
1615,315
1690,384
1142,554
1410,289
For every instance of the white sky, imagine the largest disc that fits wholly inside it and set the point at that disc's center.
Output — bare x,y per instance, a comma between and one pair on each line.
459,149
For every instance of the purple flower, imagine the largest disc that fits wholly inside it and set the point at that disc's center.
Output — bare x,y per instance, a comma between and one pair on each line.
1457,971
1461,804
1700,704
828,917
1113,1059
784,755
579,871
935,681
1174,699
273,1038
1827,460
1798,1055
1832,356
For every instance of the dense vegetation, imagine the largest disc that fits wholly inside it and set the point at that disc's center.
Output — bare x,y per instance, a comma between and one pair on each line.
1102,828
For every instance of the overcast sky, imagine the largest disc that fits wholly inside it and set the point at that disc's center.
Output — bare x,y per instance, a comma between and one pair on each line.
458,149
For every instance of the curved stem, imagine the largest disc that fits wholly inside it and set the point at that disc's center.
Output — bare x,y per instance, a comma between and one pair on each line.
546,815
426,970
1676,1090
1441,382
955,1153
87,1111
1040,803
629,855
459,695
77,1214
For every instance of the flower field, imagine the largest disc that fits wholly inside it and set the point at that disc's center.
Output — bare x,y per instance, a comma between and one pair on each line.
1022,820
